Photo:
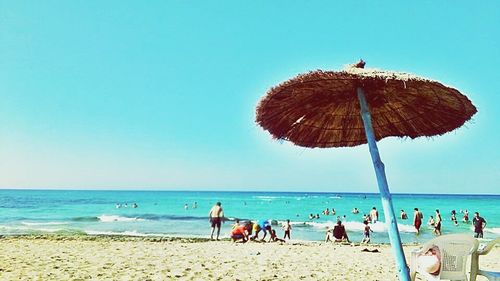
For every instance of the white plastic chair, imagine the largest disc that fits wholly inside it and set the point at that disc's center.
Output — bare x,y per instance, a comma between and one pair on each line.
474,265
454,248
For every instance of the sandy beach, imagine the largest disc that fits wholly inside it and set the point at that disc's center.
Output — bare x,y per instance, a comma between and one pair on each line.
129,258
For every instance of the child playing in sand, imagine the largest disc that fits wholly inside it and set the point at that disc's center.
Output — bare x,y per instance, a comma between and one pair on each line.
236,224
366,233
241,233
274,238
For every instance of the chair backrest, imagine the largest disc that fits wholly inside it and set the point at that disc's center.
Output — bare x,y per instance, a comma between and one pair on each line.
455,249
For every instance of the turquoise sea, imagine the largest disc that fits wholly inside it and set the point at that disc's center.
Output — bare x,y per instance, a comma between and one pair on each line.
163,212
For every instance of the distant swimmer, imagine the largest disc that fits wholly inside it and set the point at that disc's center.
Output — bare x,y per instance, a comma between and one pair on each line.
195,205
403,215
355,211
431,221
466,216
333,212
134,205
366,218
453,217
215,216
118,205
186,206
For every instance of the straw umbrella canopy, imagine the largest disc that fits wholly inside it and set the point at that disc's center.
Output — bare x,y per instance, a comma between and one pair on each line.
357,106
321,108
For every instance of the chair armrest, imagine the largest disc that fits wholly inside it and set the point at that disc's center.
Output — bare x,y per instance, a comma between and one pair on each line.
413,261
418,251
488,247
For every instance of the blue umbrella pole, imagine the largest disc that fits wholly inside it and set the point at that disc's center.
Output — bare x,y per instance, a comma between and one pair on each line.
389,215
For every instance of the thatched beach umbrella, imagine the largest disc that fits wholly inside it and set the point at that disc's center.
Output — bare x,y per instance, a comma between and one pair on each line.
357,106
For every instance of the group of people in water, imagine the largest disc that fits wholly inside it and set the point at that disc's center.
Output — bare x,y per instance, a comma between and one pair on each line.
248,230
478,222
125,205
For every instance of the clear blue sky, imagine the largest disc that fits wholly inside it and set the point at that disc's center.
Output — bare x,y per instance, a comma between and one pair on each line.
162,94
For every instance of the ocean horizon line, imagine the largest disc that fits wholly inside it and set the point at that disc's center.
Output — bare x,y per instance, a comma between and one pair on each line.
244,191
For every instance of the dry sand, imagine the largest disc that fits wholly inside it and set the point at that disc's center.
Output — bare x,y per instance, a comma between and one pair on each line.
126,258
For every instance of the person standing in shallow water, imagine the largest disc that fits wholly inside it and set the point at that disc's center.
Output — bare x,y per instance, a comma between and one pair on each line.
453,217
466,216
403,215
479,224
374,215
215,216
417,219
287,227
437,223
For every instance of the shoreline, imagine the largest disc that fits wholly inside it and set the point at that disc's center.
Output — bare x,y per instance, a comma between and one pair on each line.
167,238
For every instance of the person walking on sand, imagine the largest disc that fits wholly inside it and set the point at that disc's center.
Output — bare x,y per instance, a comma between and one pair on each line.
287,227
479,224
417,219
215,217
374,215
437,223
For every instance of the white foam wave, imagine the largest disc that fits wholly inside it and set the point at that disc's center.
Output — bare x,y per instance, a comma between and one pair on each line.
43,223
50,230
115,218
495,230
266,198
124,233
